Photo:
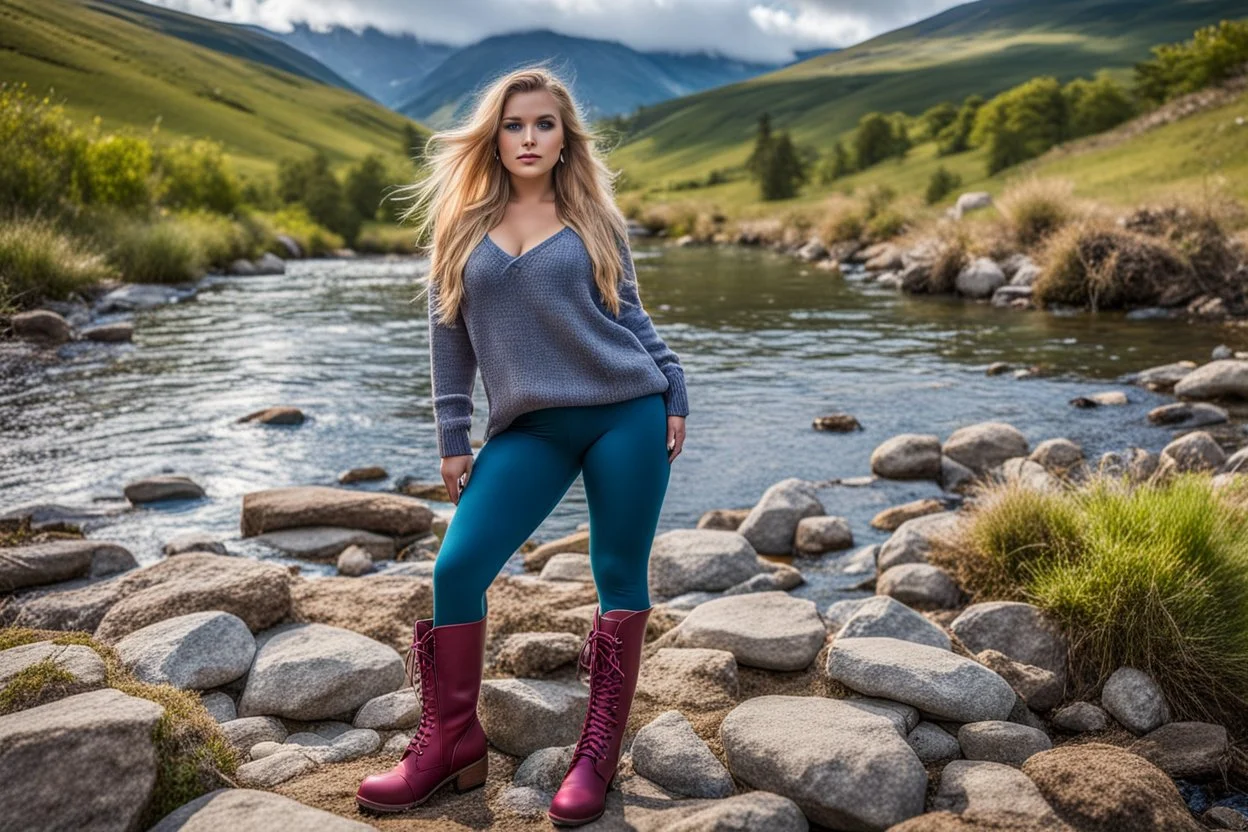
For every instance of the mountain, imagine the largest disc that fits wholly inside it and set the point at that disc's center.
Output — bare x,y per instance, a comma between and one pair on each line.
608,77
389,68
982,47
103,58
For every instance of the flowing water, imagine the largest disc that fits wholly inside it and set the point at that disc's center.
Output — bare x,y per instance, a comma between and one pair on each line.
768,344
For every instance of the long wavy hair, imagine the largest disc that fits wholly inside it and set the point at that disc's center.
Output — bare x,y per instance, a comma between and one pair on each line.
466,191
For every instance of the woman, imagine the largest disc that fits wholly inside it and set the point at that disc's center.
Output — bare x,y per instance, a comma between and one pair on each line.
532,282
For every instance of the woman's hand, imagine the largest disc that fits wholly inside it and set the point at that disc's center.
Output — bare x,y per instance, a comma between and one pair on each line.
675,436
453,468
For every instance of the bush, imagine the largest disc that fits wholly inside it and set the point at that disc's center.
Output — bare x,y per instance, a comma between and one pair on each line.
119,172
1035,208
294,222
940,185
956,136
41,154
159,252
1021,123
195,174
1153,577
1214,54
219,240
886,224
38,261
1097,105
842,221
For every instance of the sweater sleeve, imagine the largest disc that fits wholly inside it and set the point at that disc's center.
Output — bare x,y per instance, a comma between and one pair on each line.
633,315
453,370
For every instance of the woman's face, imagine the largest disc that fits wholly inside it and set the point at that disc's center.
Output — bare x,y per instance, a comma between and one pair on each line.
531,134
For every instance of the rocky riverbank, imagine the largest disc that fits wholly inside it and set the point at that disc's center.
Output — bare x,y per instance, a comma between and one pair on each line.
909,709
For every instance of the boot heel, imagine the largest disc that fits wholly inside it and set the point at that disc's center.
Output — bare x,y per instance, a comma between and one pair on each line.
472,776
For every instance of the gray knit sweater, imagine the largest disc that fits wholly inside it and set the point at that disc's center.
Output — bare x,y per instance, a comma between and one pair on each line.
538,330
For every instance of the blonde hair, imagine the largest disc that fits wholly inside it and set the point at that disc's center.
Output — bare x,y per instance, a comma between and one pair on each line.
467,189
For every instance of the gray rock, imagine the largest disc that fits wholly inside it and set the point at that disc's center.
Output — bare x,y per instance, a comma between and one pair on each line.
933,744
1029,474
227,809
194,541
1195,451
825,533
935,681
1039,688
522,715
979,278
568,566
838,613
1058,456
913,540
96,747
327,542
220,706
164,487
343,748
246,733
314,671
1188,414
79,661
997,741
1162,378
977,789
772,523
970,201
1185,749
908,456
292,507
686,560
134,296
1080,717
983,446
60,560
771,630
954,476
743,813
354,562
1224,379
269,771
882,616
43,325
691,677
825,756
536,654
670,753
1021,631
269,263
919,585
1135,700
1026,275
544,769
113,333
390,711
198,651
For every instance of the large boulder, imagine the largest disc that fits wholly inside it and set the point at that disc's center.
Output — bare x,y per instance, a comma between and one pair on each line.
1223,379
914,539
772,630
319,505
258,593
1020,631
882,616
934,680
919,585
846,767
61,560
979,278
772,523
983,446
226,809
83,665
86,762
521,716
381,607
1195,451
197,651
315,671
908,456
984,790
669,752
687,560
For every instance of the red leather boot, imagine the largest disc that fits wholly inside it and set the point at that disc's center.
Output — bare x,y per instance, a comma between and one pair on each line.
612,655
450,743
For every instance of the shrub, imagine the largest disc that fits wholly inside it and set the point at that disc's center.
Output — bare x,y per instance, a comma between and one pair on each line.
1097,105
294,222
38,261
842,220
940,185
119,172
1034,208
41,153
1021,123
886,224
956,136
1153,576
158,252
195,174
1214,54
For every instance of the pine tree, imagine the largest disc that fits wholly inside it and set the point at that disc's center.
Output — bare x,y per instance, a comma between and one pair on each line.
783,171
762,148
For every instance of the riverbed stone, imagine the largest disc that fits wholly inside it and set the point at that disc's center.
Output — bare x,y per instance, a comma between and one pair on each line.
96,747
1188,414
883,616
772,523
1195,451
1098,786
197,651
1135,700
567,566
933,744
913,540
258,593
983,446
824,533
1164,377
133,296
919,585
544,768
1059,456
1185,749
1029,474
669,752
979,789
770,630
327,542
315,671
536,559
687,560
43,325
954,476
53,561
998,741
907,456
354,562
1081,717
79,661
163,487
220,705
275,509
1224,379
390,711
825,755
272,769
112,333
536,654
1021,631
1040,688
228,809
891,518
690,677
979,278
753,810
936,681
522,715
194,541
246,732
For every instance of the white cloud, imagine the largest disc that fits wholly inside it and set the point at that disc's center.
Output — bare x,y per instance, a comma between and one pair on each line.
761,30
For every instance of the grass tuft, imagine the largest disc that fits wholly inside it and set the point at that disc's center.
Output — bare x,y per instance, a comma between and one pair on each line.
1035,208
37,260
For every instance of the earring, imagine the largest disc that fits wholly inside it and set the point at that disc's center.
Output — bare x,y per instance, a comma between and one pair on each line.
496,156
561,156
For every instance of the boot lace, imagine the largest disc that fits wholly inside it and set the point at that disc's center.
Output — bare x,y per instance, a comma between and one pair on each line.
421,657
600,659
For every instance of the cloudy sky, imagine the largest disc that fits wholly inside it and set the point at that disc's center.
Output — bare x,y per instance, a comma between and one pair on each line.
764,30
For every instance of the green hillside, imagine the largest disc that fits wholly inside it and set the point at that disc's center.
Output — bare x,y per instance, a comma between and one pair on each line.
104,64
982,47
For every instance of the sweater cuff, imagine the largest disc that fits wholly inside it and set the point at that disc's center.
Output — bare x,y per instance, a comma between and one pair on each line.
453,442
676,397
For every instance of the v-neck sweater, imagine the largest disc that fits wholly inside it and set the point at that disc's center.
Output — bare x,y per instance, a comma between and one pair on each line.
536,327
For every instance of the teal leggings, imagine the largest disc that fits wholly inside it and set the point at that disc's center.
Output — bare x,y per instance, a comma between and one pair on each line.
522,473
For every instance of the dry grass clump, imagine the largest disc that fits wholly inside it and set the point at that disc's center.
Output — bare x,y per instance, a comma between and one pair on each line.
1035,208
1153,576
842,220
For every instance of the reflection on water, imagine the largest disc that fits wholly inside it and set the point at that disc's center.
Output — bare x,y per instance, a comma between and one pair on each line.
768,344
